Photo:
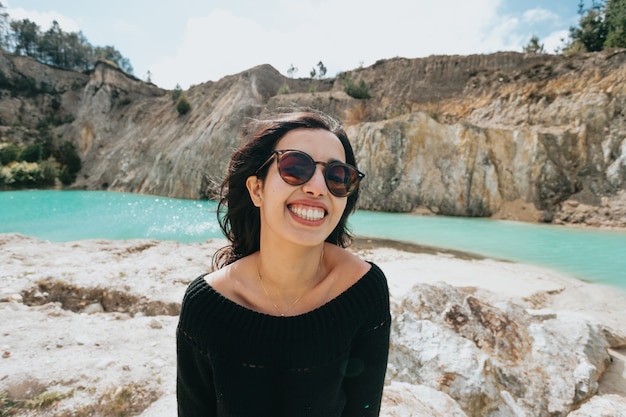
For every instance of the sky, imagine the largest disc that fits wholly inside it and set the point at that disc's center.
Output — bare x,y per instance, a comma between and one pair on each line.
189,42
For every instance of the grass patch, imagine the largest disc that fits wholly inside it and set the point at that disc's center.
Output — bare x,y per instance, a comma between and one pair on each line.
47,399
124,401
9,406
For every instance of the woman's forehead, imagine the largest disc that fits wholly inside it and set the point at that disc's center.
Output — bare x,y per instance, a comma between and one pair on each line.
321,144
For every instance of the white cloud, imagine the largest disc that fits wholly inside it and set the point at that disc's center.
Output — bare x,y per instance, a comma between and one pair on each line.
44,19
213,46
543,24
343,34
539,15
555,41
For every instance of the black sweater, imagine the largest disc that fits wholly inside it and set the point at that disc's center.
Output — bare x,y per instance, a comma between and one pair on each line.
330,362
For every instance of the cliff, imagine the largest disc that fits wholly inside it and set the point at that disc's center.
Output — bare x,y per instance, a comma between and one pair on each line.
507,135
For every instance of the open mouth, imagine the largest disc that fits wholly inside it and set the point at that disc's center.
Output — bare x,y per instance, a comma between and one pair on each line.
308,212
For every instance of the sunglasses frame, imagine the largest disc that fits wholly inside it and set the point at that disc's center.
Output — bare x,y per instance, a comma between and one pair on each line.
278,155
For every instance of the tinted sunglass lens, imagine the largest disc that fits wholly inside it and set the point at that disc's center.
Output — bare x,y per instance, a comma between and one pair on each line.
341,179
296,168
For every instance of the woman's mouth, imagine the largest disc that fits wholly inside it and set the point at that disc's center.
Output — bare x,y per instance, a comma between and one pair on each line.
308,212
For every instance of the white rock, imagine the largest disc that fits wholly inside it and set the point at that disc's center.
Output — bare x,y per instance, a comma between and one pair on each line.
93,308
406,400
602,406
495,361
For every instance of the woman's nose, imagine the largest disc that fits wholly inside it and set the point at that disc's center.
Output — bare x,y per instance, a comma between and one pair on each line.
317,184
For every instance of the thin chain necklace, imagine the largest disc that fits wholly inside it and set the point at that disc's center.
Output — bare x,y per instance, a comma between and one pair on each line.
269,297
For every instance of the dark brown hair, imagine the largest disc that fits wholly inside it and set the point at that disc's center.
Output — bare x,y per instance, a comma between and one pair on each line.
238,217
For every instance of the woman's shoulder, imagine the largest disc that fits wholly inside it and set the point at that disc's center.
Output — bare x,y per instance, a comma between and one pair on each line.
232,281
210,295
349,268
359,278
220,283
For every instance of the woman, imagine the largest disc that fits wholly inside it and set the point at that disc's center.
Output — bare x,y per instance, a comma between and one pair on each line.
290,323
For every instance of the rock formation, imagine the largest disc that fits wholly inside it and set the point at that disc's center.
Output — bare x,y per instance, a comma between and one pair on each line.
507,135
508,362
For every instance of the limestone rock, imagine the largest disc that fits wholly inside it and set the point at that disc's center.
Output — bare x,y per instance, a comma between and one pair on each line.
602,406
610,212
495,360
405,400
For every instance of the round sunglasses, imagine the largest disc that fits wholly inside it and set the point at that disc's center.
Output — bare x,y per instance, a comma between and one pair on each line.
297,167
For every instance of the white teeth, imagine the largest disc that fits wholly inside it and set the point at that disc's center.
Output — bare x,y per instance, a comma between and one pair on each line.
308,213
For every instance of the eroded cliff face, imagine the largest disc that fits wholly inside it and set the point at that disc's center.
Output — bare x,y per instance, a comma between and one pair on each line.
509,135
147,147
527,137
463,169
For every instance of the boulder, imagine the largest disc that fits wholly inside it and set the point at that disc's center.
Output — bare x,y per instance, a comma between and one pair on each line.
495,360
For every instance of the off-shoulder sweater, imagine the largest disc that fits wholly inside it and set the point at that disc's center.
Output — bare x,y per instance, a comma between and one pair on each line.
329,362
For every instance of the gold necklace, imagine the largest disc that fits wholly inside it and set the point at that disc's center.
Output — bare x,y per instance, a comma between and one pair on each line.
282,313
269,297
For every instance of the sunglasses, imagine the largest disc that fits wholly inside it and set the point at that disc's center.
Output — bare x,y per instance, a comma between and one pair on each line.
297,167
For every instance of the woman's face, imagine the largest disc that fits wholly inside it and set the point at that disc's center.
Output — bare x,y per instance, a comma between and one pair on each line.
304,214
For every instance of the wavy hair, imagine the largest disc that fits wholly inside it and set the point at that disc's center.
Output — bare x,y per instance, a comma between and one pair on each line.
238,217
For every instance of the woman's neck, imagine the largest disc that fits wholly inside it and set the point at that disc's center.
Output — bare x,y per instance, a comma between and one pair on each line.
288,272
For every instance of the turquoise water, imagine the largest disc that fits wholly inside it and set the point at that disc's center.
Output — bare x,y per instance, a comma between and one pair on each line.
61,216
594,255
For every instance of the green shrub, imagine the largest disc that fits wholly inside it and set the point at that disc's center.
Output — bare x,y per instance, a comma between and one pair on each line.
49,171
76,85
27,86
358,89
183,106
176,93
67,156
30,153
8,153
55,104
47,147
39,164
65,177
42,124
5,177
23,173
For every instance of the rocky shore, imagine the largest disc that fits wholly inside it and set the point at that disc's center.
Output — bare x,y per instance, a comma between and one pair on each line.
88,330
609,213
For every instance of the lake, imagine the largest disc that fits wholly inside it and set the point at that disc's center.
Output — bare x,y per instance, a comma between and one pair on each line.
58,216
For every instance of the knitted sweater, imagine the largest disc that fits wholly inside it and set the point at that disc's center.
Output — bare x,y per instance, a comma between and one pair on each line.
330,362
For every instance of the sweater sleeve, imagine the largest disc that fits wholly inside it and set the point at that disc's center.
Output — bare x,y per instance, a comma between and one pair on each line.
365,371
194,380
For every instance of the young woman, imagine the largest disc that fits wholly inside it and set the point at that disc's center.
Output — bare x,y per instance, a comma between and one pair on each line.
290,323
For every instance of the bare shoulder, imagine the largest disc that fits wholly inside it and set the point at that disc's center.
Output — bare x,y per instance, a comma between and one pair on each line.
217,278
347,267
231,281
